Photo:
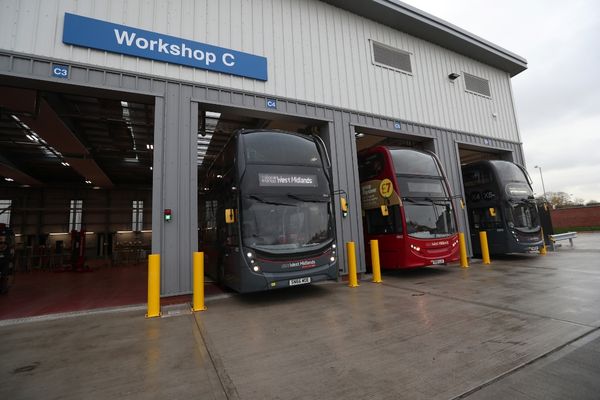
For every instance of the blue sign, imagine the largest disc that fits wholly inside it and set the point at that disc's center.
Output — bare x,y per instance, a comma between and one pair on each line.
60,71
102,35
271,103
397,125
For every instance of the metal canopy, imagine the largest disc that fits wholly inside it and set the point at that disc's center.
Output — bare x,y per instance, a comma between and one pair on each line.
67,139
415,22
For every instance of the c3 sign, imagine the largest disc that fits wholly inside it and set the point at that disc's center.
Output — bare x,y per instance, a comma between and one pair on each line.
101,35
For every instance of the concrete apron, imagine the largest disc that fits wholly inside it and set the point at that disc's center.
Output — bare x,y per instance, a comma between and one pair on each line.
429,334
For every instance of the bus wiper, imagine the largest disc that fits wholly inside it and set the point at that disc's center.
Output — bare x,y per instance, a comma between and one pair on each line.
274,203
315,199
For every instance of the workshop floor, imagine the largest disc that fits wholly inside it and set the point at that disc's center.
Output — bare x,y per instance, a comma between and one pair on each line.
45,292
525,327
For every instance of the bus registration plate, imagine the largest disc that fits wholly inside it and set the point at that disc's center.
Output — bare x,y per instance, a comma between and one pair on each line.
437,262
299,281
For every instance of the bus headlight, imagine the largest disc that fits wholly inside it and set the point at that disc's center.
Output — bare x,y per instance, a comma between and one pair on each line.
333,246
249,255
416,248
332,259
256,268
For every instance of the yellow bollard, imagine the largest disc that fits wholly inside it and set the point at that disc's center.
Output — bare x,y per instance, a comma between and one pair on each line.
351,254
543,250
462,245
375,261
485,251
198,297
153,286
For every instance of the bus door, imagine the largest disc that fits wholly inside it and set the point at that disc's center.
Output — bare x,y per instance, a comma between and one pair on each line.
488,219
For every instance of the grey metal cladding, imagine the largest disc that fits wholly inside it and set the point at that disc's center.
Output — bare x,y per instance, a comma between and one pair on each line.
174,167
391,57
477,85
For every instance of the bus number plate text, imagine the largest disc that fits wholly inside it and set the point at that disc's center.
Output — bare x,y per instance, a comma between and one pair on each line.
299,281
437,262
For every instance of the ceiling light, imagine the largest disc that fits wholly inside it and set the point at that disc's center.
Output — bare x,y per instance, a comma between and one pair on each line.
212,114
359,135
219,176
150,168
65,164
9,179
88,182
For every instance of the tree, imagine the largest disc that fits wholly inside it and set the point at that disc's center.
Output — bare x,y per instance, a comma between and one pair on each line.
592,203
558,199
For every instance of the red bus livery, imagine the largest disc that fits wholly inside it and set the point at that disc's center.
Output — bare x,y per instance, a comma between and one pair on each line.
407,207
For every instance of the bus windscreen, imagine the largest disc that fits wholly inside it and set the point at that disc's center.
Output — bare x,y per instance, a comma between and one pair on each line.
410,162
266,148
428,218
509,172
285,224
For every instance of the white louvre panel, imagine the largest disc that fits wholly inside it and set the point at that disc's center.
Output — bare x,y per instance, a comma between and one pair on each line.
477,85
316,53
390,57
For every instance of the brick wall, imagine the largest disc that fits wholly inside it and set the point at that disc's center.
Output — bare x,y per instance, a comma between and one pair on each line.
576,216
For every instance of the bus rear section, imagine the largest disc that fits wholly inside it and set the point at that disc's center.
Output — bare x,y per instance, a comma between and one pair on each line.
500,202
278,227
407,207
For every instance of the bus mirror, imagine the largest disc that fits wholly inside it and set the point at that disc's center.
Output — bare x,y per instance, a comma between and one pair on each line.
229,216
344,204
492,211
384,210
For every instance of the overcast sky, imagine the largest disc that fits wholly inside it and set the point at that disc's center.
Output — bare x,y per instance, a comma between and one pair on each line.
558,96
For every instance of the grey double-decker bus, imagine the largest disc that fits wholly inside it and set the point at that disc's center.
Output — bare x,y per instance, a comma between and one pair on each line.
500,202
273,212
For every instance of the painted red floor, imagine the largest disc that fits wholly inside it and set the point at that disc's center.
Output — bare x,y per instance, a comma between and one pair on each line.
43,292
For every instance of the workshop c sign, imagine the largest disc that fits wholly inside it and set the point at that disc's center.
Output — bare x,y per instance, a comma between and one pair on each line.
102,35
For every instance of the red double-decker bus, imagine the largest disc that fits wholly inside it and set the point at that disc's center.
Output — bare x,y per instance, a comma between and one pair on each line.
407,207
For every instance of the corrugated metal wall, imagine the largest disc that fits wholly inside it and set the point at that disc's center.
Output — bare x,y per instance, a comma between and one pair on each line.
316,53
175,168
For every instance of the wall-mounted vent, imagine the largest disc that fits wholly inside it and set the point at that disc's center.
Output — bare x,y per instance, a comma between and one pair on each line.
390,57
477,85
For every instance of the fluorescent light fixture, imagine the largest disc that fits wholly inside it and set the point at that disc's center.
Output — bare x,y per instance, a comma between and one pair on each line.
65,164
9,179
15,118
146,231
359,134
58,233
149,146
212,114
88,182
150,168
